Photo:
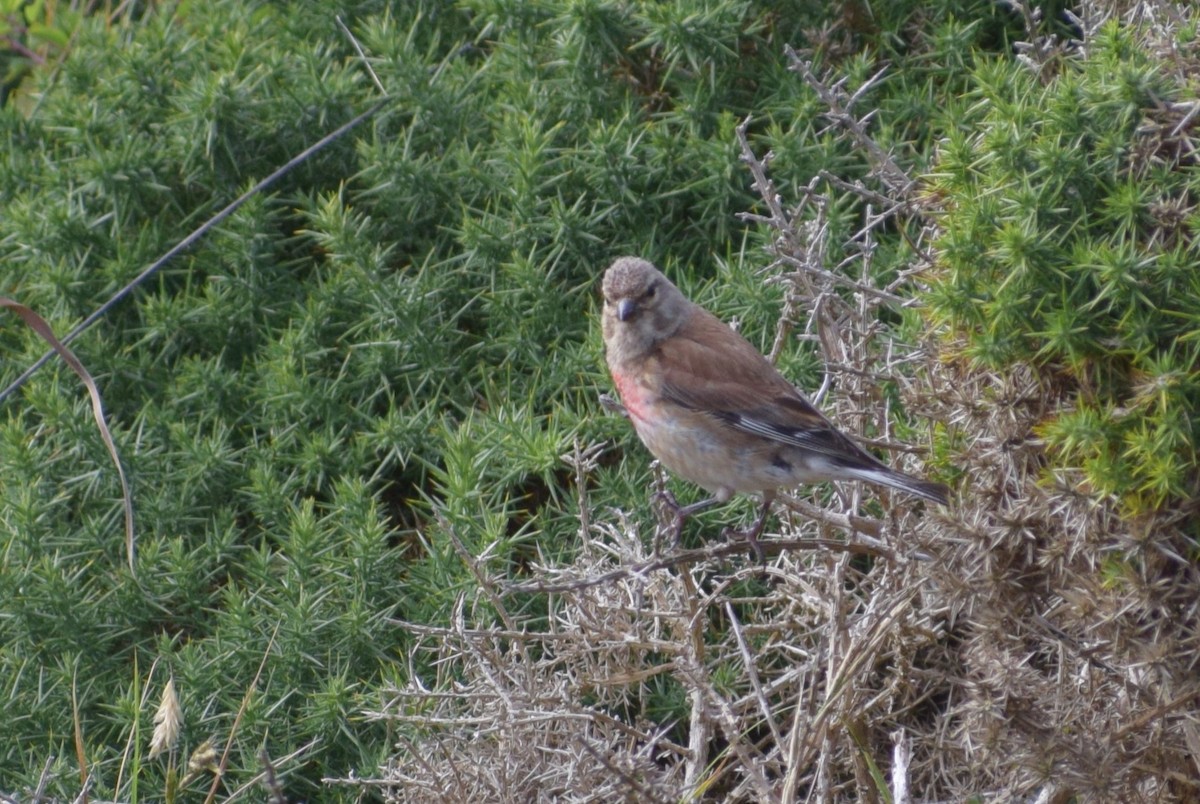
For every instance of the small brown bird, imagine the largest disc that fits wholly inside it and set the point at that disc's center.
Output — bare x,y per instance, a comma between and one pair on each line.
712,409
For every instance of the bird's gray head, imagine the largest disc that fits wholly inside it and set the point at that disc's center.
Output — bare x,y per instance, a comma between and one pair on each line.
640,304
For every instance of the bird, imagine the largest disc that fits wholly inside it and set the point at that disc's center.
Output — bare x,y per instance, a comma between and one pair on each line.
713,410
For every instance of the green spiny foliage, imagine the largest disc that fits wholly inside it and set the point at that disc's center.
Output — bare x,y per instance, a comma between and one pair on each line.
1069,241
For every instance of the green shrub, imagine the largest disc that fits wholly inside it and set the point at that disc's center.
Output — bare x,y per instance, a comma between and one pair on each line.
1068,240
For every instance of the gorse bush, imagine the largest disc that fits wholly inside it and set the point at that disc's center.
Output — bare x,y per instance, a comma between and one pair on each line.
1069,241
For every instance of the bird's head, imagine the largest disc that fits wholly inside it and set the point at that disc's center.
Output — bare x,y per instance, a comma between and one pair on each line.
641,306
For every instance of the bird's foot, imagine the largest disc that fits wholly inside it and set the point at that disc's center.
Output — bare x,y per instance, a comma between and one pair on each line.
610,403
750,536
670,515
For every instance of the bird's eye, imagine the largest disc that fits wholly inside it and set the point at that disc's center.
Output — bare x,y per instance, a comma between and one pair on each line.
650,291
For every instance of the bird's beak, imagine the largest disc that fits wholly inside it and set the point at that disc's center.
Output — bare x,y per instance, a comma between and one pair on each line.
625,308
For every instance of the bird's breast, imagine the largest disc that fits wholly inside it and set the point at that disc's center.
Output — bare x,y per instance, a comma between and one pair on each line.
635,396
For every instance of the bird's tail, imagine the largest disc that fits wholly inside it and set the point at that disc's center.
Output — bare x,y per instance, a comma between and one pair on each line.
925,489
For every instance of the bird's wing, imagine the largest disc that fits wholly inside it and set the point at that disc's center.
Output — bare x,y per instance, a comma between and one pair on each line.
709,368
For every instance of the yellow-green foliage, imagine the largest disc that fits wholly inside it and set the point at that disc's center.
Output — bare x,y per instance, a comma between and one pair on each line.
1069,241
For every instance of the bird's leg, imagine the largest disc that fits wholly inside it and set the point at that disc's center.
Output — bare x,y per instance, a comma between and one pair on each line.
679,513
757,528
609,403
751,535
666,505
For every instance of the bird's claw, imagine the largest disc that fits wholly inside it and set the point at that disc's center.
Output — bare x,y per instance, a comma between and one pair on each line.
610,403
668,506
751,539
